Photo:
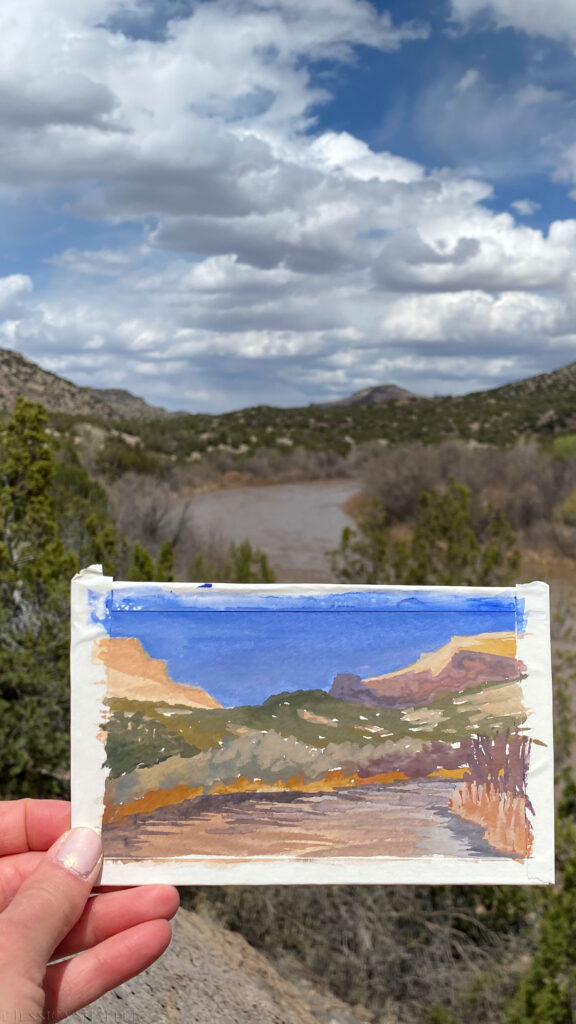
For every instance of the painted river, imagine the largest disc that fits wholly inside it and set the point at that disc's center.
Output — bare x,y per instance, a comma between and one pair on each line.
405,819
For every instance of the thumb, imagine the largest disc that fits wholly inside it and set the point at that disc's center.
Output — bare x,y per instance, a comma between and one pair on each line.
52,898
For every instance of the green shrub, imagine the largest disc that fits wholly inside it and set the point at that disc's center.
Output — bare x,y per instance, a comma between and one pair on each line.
565,512
116,457
450,544
564,447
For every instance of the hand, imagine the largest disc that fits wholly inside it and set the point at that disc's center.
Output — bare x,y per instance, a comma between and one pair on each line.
46,913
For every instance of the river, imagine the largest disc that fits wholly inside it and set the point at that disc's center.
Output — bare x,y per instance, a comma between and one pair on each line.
295,524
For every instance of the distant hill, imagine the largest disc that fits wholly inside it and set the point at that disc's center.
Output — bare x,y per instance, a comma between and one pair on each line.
543,407
20,376
379,395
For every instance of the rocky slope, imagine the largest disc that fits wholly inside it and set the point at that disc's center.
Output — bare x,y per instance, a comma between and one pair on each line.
555,382
20,376
212,976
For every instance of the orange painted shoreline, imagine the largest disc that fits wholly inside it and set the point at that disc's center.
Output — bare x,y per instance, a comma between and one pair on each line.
335,779
505,817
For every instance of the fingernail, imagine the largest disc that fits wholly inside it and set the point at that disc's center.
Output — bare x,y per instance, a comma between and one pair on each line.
80,852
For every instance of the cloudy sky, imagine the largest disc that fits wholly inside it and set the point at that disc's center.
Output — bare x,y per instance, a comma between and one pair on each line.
219,203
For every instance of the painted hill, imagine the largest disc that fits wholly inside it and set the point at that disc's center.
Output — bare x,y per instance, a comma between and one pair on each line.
133,675
20,376
293,739
462,663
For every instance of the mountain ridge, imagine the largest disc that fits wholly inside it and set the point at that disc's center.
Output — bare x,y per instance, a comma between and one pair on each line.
21,376
542,406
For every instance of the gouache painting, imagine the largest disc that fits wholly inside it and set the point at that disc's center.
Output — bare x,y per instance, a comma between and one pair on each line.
292,733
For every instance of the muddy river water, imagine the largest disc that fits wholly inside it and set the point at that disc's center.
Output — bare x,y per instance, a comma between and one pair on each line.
295,524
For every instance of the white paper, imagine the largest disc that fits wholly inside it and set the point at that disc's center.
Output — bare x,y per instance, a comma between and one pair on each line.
254,734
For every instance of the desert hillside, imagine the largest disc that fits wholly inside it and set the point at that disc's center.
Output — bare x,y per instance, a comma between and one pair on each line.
20,376
211,976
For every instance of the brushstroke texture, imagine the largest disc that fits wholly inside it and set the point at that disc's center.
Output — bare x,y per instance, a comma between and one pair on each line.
495,796
131,672
462,663
452,715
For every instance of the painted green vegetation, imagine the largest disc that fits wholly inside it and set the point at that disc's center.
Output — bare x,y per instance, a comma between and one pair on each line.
135,739
451,717
321,733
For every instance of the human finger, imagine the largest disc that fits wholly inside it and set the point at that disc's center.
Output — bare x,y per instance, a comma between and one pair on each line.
73,984
51,900
13,872
113,912
31,824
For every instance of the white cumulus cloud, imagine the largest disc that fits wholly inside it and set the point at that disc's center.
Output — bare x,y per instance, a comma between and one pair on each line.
525,207
249,254
13,290
555,19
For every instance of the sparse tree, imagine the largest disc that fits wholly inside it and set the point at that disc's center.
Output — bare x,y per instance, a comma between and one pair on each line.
454,544
165,564
450,544
547,992
35,570
142,568
243,564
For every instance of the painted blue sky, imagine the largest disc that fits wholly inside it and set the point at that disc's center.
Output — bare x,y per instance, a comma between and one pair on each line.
219,202
245,656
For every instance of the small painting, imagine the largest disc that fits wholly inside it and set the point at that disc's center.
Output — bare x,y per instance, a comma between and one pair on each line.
291,733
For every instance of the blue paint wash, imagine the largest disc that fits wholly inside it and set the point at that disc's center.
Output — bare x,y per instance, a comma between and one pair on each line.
152,598
259,644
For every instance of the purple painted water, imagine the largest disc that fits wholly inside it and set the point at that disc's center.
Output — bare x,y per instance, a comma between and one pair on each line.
404,819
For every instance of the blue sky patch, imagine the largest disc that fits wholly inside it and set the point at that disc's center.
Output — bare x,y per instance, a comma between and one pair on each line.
242,648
